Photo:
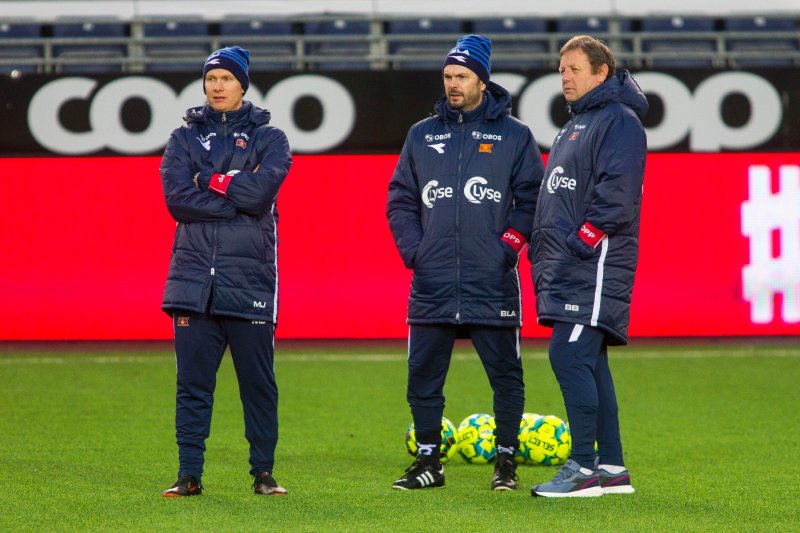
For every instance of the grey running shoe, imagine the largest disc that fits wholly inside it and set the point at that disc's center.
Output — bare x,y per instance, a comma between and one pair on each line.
505,473
570,482
615,483
420,476
265,484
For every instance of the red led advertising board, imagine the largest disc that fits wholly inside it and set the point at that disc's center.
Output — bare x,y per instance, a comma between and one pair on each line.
85,244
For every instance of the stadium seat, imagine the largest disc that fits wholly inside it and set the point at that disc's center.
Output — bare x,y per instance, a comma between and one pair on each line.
679,49
514,53
424,42
20,57
762,47
102,49
176,45
598,27
349,39
255,36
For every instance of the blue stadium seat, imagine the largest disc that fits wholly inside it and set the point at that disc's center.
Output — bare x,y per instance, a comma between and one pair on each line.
424,37
175,49
350,40
90,56
16,54
677,51
264,55
582,26
494,29
763,48
598,27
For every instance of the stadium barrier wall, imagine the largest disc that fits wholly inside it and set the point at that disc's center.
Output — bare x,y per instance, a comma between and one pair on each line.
86,244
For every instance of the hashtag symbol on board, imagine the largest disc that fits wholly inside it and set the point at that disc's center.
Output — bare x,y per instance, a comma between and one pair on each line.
772,271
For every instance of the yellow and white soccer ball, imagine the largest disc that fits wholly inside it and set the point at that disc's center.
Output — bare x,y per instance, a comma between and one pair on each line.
527,419
448,448
476,438
545,441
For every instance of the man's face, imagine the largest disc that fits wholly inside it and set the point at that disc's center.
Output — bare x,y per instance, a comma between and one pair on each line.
576,75
463,88
223,90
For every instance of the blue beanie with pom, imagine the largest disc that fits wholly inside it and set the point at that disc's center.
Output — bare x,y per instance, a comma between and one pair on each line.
234,59
473,52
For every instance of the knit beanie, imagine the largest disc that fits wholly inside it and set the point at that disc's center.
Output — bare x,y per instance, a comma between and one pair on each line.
234,59
472,51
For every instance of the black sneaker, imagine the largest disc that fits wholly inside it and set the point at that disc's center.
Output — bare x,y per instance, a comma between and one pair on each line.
420,476
185,486
505,473
265,484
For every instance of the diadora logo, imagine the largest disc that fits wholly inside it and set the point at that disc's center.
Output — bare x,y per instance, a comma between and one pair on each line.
505,313
475,191
439,147
206,141
432,192
557,180
486,136
429,137
259,305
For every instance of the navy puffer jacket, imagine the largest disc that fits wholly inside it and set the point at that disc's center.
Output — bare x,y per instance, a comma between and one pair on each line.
595,172
224,258
463,179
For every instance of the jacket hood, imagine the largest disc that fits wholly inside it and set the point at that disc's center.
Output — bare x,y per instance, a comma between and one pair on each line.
496,103
622,88
247,113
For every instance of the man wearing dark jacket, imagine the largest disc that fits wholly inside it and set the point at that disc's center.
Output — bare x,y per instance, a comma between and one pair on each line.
584,251
221,173
460,208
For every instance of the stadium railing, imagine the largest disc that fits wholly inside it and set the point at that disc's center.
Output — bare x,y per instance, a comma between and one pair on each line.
319,43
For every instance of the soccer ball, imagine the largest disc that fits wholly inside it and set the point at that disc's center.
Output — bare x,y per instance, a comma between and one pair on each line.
448,448
527,419
476,438
546,441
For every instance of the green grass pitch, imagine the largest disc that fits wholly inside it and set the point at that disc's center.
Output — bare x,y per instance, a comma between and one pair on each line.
711,436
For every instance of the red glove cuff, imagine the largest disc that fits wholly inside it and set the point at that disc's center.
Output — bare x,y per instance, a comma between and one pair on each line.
514,239
590,234
219,184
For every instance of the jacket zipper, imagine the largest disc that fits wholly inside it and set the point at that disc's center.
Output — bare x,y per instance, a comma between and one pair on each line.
458,211
214,239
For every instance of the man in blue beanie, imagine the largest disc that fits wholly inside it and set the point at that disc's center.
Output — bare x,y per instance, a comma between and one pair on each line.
221,173
460,208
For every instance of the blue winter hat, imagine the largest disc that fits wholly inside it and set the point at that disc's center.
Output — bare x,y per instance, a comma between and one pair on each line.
473,52
234,59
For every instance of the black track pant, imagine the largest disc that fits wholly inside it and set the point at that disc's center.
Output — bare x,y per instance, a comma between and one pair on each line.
429,351
579,357
200,343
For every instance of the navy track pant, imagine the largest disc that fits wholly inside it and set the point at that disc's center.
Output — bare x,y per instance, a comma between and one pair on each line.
579,357
200,343
429,350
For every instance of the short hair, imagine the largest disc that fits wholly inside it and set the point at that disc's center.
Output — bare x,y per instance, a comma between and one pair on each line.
597,51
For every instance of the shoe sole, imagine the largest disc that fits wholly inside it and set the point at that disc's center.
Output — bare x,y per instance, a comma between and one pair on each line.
396,487
591,492
621,489
501,489
173,495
